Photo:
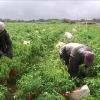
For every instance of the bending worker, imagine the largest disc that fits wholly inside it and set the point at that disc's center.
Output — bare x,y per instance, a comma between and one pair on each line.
75,54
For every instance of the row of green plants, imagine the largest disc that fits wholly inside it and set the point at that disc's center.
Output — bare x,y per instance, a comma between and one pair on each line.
36,68
32,69
90,35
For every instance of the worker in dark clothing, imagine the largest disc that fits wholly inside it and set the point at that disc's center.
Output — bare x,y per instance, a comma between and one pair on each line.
75,54
5,42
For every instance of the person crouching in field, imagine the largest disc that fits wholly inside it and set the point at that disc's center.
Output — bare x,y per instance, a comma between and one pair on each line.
75,54
5,42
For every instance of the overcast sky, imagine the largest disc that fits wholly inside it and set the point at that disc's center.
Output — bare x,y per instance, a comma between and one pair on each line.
38,9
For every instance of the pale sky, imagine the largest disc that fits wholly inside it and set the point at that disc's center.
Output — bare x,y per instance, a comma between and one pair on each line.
47,9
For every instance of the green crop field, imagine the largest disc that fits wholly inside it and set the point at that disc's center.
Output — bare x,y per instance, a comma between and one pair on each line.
36,71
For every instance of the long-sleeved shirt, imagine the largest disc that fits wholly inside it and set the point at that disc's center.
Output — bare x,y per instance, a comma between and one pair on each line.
6,44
